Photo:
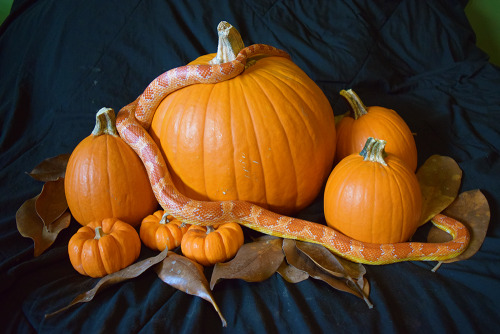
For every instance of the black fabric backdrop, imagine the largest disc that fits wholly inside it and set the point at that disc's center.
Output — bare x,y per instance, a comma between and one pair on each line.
60,61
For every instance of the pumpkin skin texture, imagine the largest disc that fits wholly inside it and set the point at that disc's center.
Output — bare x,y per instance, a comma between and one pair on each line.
376,122
372,202
211,245
266,136
103,247
105,178
159,231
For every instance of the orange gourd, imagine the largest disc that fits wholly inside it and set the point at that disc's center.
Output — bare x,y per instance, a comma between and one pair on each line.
105,178
211,245
103,247
373,196
160,230
377,122
266,136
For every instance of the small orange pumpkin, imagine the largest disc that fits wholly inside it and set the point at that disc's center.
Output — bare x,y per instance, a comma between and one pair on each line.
105,177
266,136
373,196
211,245
103,247
376,122
161,230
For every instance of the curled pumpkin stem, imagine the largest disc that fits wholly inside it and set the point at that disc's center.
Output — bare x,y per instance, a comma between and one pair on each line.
164,219
357,106
105,123
99,233
230,43
374,150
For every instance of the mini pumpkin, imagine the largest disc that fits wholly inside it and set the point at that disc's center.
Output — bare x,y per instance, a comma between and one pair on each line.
105,177
266,136
377,122
161,230
373,196
211,245
103,247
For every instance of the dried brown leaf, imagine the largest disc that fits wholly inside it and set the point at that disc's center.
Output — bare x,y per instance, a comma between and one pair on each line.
301,261
255,261
439,178
291,274
51,202
187,276
51,168
30,225
336,266
472,209
129,272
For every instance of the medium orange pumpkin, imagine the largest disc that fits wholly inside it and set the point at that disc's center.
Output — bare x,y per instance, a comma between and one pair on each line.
103,247
160,230
105,178
211,245
266,136
373,196
376,122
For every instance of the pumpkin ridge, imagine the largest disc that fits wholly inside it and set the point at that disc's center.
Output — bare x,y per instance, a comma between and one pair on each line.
90,198
258,140
295,92
311,117
282,128
203,136
111,259
111,147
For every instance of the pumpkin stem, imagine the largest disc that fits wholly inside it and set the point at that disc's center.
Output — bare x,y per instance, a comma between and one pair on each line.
105,123
357,106
230,43
164,219
99,233
374,151
210,229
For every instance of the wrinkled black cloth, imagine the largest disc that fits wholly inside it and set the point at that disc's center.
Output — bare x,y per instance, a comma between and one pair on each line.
61,61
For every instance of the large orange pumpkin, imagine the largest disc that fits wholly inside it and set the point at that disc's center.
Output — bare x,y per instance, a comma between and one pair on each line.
373,196
266,136
376,122
105,178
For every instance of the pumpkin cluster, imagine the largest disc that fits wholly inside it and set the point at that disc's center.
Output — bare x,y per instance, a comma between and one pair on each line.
108,192
372,194
267,136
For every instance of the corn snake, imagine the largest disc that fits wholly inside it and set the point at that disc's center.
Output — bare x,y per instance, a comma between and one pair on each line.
134,120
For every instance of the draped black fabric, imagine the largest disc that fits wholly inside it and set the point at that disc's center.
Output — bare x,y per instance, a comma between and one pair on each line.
60,61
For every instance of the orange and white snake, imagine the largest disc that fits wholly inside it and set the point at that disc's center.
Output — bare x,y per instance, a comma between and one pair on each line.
134,120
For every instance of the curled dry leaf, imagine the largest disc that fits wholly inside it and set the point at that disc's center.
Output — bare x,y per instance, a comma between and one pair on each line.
51,202
186,275
254,262
51,168
291,274
129,272
439,178
338,267
31,225
472,209
300,260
